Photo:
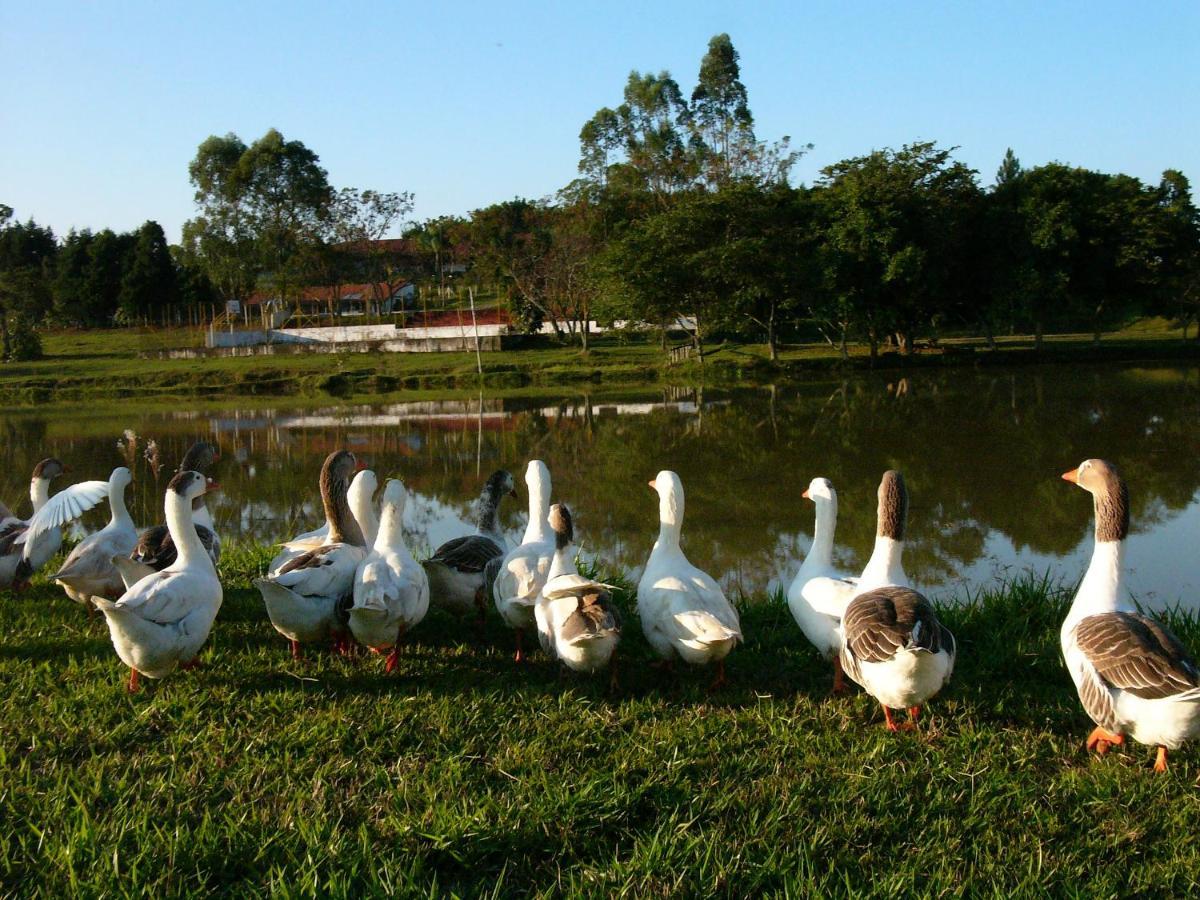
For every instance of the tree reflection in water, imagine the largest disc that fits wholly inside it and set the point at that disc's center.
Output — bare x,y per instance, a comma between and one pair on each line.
981,451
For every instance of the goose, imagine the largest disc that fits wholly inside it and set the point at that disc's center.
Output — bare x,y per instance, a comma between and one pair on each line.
88,570
521,573
391,591
361,498
683,610
893,646
13,528
1133,676
576,620
306,595
456,569
818,594
155,549
161,622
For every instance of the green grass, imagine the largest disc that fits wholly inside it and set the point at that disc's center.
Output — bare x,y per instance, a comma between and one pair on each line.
463,773
101,365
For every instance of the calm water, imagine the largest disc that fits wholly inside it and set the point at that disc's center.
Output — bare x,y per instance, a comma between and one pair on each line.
982,453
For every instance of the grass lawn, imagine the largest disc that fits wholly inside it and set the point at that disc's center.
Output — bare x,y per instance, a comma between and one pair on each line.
464,773
96,365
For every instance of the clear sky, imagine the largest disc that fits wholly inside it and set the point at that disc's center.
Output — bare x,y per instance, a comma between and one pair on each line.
102,104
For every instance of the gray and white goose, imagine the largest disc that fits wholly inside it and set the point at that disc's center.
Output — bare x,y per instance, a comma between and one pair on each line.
21,552
577,622
894,647
457,568
1132,674
308,597
155,549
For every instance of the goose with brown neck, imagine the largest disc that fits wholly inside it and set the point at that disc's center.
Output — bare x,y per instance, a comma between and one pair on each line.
577,622
1133,676
456,569
155,548
818,595
893,645
163,621
361,498
307,595
391,591
13,529
521,574
684,612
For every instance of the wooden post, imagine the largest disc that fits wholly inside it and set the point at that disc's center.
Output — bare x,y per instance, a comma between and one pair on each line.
475,327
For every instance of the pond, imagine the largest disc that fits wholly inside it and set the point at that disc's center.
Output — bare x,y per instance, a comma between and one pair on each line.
982,451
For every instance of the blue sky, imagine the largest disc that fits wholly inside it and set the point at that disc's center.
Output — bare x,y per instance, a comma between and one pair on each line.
102,104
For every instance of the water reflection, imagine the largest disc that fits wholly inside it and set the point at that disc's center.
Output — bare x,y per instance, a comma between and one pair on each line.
981,451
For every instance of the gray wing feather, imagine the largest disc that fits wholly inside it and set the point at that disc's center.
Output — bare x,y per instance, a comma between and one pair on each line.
468,554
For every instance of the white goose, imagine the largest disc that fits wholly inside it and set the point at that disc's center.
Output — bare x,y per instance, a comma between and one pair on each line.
155,548
521,574
818,594
683,610
391,591
894,647
456,569
1132,674
12,548
162,621
361,498
307,596
89,570
576,620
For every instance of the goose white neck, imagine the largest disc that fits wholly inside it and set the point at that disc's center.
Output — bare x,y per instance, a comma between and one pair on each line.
562,564
364,513
885,567
39,492
538,528
183,532
116,504
1103,586
390,538
820,554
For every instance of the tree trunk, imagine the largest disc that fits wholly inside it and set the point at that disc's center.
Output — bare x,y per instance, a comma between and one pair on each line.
1037,335
772,350
873,340
842,348
5,346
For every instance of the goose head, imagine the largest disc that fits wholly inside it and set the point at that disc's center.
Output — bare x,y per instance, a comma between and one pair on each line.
395,497
563,525
537,478
189,484
500,483
670,497
49,469
1103,481
818,490
200,457
120,479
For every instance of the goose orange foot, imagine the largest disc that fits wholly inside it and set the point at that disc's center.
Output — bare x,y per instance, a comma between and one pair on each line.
1160,761
839,679
1101,740
892,725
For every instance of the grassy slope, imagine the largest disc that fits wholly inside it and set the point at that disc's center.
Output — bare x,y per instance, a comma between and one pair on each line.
84,365
463,772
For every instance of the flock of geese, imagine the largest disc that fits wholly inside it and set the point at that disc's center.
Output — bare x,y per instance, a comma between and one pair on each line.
354,579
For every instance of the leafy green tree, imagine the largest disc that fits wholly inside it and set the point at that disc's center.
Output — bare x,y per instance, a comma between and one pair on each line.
150,282
1179,278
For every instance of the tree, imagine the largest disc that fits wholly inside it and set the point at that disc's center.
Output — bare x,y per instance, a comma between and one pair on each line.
150,281
893,237
357,223
1179,281
1010,168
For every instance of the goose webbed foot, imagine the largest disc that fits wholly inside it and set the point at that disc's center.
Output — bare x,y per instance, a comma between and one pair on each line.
1160,760
1101,740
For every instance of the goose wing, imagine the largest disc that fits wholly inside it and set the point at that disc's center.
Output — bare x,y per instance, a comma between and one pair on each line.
1134,653
65,506
467,554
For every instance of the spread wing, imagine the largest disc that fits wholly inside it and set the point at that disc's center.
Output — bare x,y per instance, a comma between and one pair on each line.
65,506
880,623
1134,653
468,554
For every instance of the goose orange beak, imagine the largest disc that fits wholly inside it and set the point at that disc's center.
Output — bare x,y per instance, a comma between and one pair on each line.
1072,476
805,495
652,485
360,466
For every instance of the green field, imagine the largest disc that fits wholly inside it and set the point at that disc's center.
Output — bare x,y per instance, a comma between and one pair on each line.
92,365
464,773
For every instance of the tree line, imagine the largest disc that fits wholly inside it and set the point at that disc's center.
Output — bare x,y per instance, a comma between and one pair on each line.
680,211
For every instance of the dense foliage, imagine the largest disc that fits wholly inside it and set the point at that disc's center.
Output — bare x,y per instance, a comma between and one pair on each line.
680,211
